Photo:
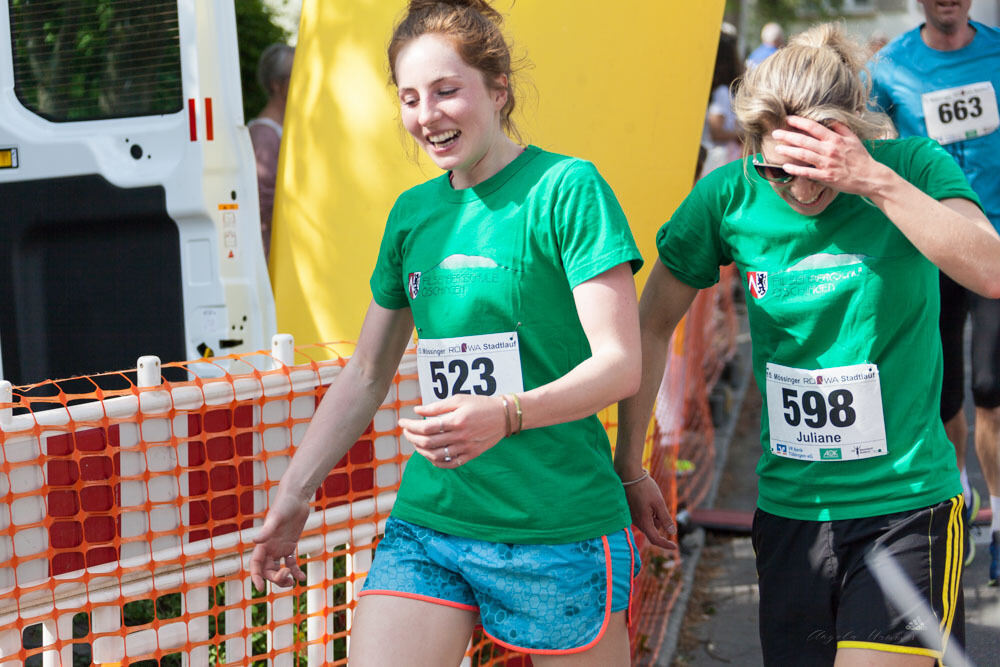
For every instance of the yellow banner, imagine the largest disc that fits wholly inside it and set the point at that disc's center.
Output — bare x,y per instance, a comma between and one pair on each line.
625,86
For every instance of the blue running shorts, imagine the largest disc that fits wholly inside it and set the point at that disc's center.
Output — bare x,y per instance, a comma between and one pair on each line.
534,598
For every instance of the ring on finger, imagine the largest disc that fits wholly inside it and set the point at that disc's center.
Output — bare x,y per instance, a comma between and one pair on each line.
447,455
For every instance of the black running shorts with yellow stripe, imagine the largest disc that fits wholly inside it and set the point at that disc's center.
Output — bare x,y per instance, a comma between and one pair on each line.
818,594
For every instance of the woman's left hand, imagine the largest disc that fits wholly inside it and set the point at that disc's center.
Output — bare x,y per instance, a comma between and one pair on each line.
650,514
831,155
457,429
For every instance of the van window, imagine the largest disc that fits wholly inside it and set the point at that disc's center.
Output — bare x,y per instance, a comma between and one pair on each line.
80,60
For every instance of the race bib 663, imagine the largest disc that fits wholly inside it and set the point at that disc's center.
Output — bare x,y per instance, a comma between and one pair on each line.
964,112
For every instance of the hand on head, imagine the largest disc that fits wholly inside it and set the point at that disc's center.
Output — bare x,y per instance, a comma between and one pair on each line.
833,155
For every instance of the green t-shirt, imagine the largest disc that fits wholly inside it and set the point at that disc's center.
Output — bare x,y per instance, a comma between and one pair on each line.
843,288
504,256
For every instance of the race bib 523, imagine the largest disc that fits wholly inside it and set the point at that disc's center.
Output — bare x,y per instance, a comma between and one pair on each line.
485,365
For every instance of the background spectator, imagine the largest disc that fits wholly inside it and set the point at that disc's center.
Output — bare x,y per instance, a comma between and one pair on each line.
772,38
876,41
721,134
274,71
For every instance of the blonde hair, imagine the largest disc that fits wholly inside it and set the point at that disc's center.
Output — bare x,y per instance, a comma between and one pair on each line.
817,76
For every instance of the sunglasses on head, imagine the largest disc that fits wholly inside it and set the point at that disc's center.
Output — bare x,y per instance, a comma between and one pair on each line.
772,172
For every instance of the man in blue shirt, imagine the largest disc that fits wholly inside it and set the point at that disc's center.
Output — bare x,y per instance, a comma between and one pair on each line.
941,80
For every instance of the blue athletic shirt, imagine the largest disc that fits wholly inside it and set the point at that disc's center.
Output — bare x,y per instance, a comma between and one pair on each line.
907,69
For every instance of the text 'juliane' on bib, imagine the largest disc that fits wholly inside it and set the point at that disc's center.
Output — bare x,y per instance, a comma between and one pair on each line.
829,414
957,114
485,365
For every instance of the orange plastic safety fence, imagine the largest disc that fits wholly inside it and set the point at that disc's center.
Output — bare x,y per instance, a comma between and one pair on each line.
680,453
129,513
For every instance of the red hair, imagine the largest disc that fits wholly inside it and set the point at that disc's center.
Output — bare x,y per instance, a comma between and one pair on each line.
473,27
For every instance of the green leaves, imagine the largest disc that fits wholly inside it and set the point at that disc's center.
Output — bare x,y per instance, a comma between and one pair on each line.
91,59
80,60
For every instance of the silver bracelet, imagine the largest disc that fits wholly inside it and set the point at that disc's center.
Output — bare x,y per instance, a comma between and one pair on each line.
644,475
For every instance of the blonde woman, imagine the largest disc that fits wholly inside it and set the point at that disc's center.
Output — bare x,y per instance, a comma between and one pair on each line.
840,234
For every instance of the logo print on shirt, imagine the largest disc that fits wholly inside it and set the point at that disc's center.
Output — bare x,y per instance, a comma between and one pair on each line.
757,282
454,276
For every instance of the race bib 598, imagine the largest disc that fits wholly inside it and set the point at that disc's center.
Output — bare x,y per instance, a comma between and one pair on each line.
829,414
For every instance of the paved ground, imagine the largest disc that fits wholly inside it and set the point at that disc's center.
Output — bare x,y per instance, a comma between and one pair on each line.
719,624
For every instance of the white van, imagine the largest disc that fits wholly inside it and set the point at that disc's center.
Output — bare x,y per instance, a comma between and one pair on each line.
129,221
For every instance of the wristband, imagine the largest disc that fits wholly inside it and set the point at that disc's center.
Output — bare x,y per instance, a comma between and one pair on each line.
506,415
644,475
517,405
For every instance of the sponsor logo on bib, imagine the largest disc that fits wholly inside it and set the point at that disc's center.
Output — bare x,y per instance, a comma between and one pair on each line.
757,282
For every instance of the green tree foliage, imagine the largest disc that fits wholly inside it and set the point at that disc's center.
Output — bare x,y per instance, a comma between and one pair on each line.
91,59
88,59
786,12
256,30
